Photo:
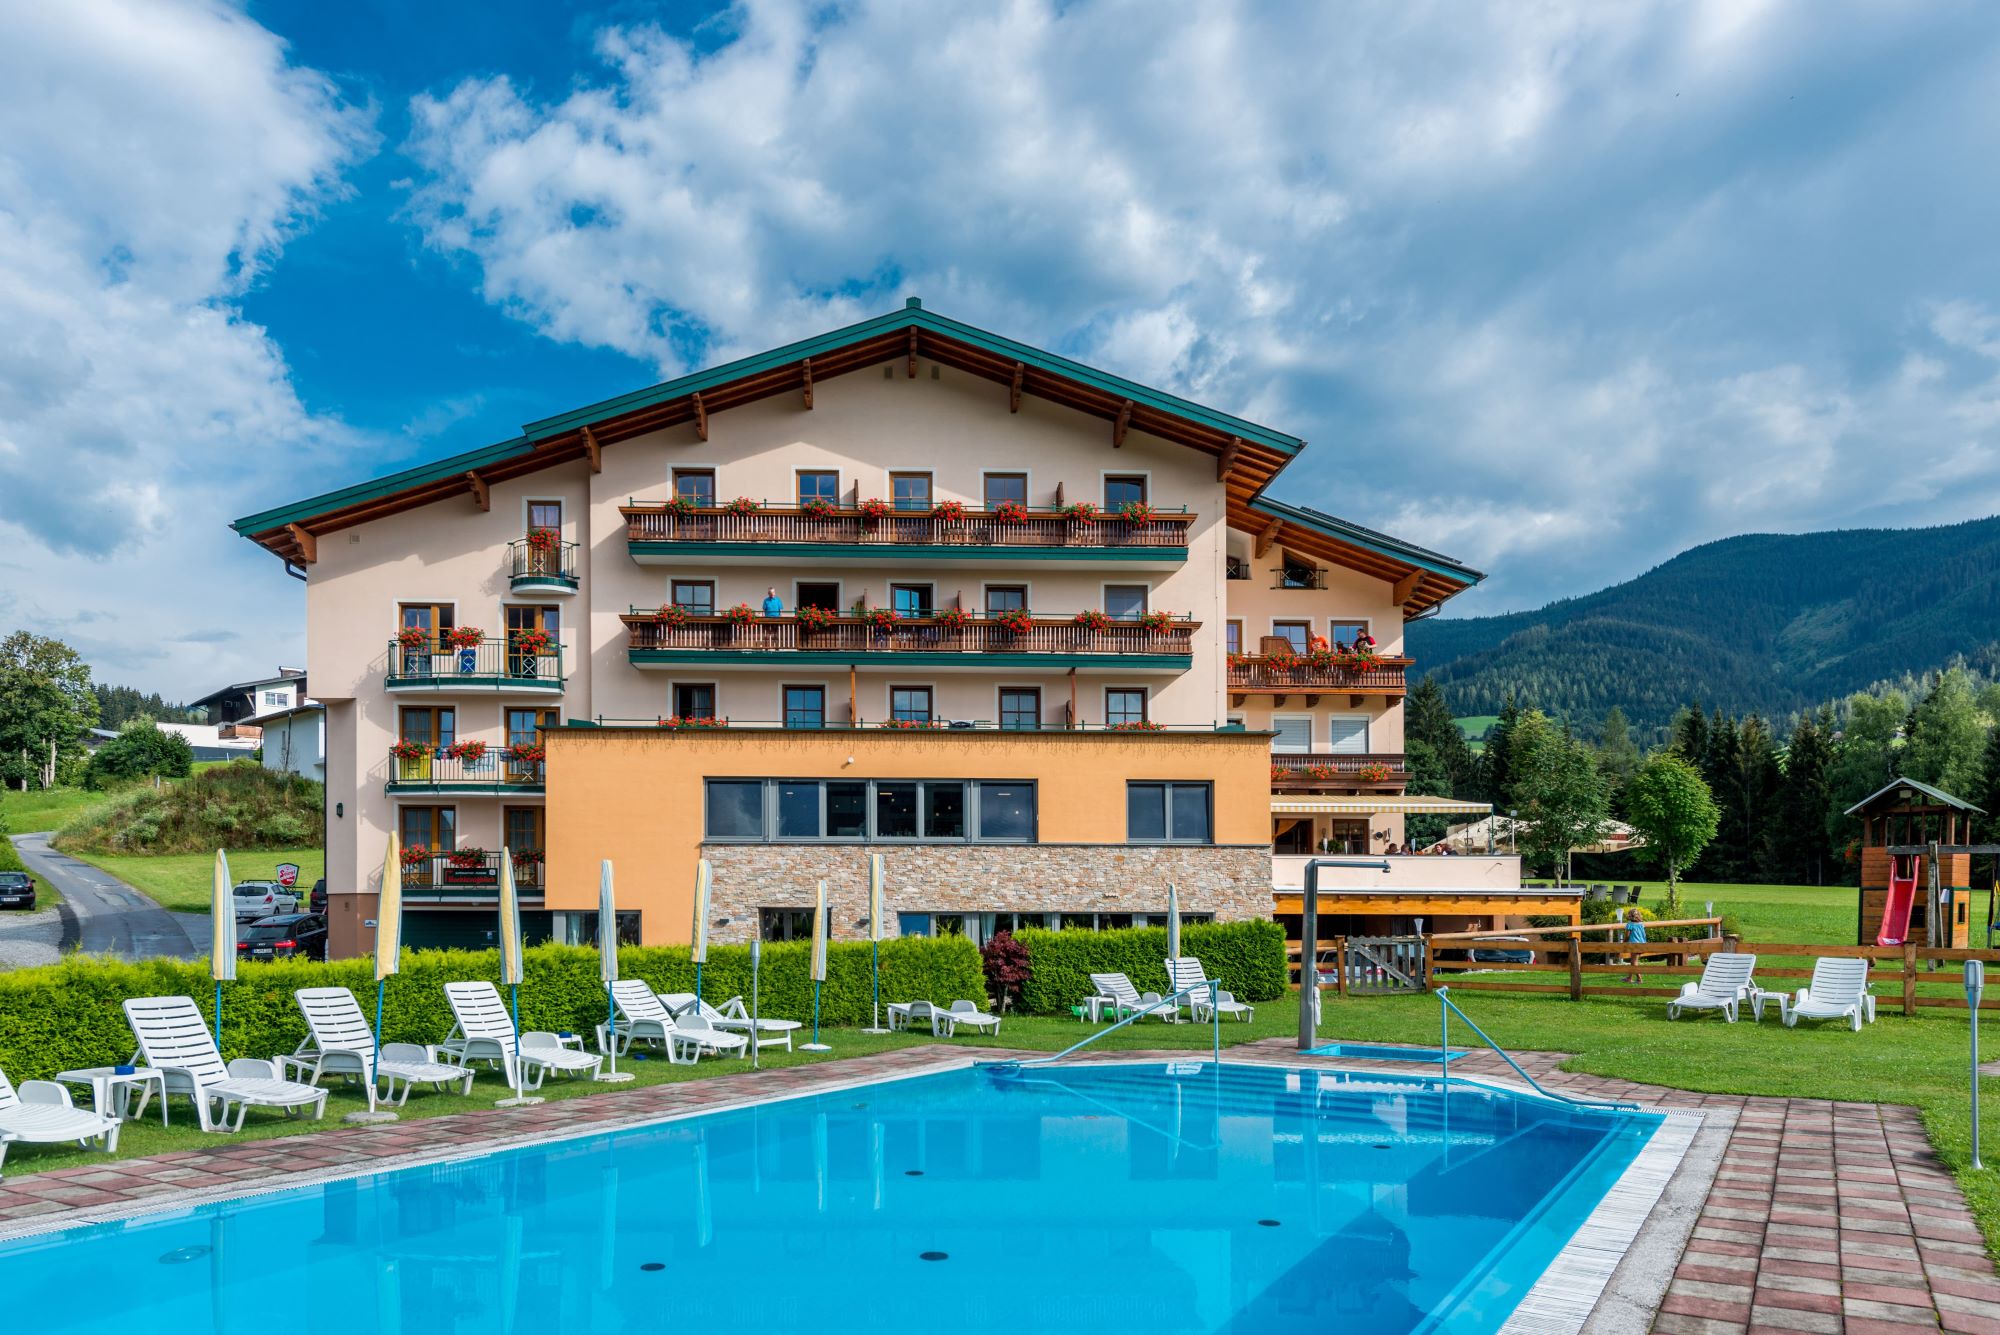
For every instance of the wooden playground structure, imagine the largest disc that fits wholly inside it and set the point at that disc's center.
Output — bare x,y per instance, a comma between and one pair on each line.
1916,868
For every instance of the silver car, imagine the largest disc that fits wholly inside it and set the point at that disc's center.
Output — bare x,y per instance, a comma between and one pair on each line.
263,899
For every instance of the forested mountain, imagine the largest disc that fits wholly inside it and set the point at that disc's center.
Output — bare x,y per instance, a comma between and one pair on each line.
1764,623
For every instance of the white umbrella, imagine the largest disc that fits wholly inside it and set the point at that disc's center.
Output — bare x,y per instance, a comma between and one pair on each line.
607,964
818,965
222,941
1173,922
703,876
388,932
512,970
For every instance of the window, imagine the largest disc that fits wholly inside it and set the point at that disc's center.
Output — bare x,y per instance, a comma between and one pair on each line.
937,810
785,924
274,698
524,726
695,484
525,830
696,595
521,619
1006,598
433,617
1294,573
735,809
1349,734
694,699
820,595
1004,487
436,728
910,703
1124,704
1125,602
1294,733
910,600
1235,567
544,514
1123,489
819,485
1347,633
910,491
1020,707
1172,813
435,828
1298,632
1232,636
805,706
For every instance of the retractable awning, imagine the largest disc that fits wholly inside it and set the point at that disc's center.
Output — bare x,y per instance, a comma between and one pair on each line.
1377,806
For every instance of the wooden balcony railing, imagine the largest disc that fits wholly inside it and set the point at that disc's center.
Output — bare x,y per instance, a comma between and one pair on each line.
1312,771
471,873
487,664
1253,673
850,527
495,770
647,633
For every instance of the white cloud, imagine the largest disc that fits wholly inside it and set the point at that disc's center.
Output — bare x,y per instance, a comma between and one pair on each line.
153,157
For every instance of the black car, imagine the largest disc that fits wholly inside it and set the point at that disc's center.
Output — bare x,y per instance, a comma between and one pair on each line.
317,901
286,936
17,890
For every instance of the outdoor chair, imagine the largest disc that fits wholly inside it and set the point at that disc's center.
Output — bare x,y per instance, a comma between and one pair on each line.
40,1113
484,1031
1838,991
945,1023
340,1041
1125,999
1725,984
174,1040
733,1016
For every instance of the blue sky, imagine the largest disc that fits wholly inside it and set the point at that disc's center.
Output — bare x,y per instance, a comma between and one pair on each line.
1560,290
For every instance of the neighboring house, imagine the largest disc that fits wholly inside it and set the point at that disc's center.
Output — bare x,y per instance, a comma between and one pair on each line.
207,741
246,713
246,701
1041,640
294,740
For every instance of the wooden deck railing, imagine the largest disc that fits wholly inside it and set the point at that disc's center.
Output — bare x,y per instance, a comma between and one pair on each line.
1307,771
1252,672
848,526
849,634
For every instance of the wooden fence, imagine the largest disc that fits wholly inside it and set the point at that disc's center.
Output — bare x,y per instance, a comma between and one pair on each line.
1668,959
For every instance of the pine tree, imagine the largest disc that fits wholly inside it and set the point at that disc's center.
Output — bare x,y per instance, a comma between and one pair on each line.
1427,719
1618,757
1987,795
1690,734
1496,773
1760,781
1803,854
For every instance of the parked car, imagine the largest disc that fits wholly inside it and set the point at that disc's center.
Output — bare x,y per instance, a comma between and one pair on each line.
284,936
262,899
316,902
17,890
1503,950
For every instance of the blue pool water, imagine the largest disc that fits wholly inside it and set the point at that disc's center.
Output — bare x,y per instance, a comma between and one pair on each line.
1164,1199
1377,1052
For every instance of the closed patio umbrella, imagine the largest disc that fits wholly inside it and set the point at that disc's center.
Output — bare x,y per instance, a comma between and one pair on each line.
222,943
818,965
512,972
1173,922
388,931
607,965
877,875
699,950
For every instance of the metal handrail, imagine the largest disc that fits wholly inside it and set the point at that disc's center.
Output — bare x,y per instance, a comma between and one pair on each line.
1212,986
1445,1012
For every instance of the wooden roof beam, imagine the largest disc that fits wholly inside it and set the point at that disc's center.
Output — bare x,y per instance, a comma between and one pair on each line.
1406,588
1268,535
1014,392
306,542
807,367
1120,423
1225,463
913,352
480,491
594,450
700,417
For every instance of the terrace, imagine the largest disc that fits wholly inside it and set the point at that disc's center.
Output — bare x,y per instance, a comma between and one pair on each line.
541,567
666,533
666,637
1283,676
493,665
468,875
1320,771
463,770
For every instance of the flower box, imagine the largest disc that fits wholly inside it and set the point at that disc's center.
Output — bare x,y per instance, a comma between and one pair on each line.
1010,512
535,643
682,506
1015,621
953,510
814,619
542,541
413,637
1093,619
1137,725
1080,512
742,505
467,858
465,637
673,614
1160,623
527,753
1137,512
883,619
954,618
817,508
741,615
469,753
874,509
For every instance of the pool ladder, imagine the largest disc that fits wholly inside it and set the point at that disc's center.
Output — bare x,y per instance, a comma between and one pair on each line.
1448,1008
1211,987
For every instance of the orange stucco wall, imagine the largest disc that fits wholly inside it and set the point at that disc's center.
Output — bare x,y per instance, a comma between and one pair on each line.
635,795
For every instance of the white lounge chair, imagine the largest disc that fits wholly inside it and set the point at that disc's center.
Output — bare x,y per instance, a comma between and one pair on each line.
485,1032
174,1040
643,1018
945,1023
1725,983
1187,976
40,1113
734,1017
1126,999
694,1026
340,1041
1838,991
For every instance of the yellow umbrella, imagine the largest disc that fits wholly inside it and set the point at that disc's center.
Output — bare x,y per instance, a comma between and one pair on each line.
511,971
703,875
388,931
877,874
818,965
222,942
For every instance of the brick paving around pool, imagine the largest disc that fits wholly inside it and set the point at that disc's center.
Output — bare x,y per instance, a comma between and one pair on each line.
1824,1217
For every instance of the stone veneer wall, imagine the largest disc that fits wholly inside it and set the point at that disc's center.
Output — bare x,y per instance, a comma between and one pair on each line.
1231,881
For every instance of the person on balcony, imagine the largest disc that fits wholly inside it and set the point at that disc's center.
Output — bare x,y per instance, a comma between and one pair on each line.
773,605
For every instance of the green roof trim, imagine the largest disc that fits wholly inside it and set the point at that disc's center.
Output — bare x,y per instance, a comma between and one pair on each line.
1380,543
912,316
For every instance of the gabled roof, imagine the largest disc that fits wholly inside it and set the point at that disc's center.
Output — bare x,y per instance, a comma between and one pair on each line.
245,687
1423,579
1937,793
1247,455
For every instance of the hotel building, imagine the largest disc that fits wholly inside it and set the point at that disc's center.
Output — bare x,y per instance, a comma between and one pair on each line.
1031,630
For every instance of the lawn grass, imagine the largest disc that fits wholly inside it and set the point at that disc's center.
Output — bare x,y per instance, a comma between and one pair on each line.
37,810
1819,915
182,881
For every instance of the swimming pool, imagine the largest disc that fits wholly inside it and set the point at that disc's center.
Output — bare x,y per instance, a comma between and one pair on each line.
1181,1198
1382,1052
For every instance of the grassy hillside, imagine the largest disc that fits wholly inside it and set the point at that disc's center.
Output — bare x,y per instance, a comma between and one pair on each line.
240,805
1765,622
37,810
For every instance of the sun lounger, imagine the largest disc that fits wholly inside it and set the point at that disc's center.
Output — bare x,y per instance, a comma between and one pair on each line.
1127,1000
1838,991
1725,983
946,1022
485,1032
734,1017
174,1040
40,1113
697,1028
340,1041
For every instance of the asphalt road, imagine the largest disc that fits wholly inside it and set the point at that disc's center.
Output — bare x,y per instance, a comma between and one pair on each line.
112,918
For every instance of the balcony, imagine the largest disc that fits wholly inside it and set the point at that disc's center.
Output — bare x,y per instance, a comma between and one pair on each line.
548,567
1254,674
778,535
948,640
468,876
499,667
495,772
1323,772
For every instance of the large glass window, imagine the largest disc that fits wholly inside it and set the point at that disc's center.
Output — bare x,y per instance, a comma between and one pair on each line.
1167,813
1004,487
822,595
846,810
1007,811
785,924
1232,636
896,811
435,828
910,491
695,484
1347,634
805,706
694,699
765,810
944,811
798,811
1122,489
1006,598
1020,707
911,704
816,485
910,600
1126,602
1124,704
1298,632
435,728
696,595
735,809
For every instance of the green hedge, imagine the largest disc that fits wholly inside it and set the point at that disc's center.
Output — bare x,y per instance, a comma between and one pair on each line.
68,1015
1248,957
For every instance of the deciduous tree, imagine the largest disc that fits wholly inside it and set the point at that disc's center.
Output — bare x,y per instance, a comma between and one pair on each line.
45,705
1670,805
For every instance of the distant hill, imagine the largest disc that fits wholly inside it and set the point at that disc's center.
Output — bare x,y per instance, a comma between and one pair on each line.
1765,622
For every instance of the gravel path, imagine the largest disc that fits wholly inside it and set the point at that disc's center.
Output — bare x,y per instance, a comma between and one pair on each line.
28,939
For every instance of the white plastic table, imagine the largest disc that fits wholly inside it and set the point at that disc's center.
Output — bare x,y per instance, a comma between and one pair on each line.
111,1092
1759,997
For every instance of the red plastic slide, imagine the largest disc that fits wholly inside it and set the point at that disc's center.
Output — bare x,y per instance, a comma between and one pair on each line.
1896,908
